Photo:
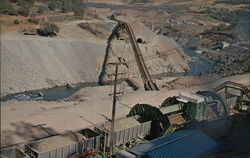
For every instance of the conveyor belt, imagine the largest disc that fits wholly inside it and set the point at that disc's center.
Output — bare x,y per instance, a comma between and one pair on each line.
146,78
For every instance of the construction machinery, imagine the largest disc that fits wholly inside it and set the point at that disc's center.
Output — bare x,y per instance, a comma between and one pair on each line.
124,28
144,122
177,111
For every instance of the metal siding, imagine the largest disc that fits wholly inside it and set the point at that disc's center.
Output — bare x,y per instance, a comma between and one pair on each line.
43,155
134,132
122,134
118,137
53,154
179,144
142,129
97,143
125,135
130,136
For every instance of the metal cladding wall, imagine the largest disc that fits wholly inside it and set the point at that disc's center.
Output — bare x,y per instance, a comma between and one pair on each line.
92,143
128,134
186,143
13,153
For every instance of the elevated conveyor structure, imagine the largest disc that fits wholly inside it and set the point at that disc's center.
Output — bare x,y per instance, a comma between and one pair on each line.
228,84
146,78
244,91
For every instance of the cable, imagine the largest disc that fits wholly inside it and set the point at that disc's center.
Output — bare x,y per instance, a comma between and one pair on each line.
150,57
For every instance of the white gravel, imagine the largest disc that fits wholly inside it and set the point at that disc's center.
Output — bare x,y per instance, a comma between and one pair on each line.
58,141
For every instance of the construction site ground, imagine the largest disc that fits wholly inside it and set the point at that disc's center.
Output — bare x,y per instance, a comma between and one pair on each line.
76,55
28,121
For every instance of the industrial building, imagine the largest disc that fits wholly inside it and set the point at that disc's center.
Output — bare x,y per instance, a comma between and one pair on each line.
184,143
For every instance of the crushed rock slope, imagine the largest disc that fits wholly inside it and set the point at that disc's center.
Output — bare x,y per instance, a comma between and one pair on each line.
35,63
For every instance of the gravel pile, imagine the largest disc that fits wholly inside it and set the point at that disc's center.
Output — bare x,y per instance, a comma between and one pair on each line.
58,142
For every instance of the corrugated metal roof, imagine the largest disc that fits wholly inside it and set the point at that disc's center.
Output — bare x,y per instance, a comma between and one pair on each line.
185,143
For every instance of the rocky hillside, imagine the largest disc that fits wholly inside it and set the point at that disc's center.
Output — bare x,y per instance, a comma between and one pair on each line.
76,55
35,63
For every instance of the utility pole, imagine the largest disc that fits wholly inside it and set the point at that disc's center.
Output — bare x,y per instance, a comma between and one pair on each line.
114,105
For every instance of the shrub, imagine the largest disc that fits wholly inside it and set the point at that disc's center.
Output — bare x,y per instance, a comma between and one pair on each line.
48,29
23,11
33,20
6,8
16,21
59,4
41,9
79,7
55,5
52,5
66,7
12,11
78,11
25,3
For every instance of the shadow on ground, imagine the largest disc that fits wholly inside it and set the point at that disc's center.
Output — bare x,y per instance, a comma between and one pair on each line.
25,132
232,135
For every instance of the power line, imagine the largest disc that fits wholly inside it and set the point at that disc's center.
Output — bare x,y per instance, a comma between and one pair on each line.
166,53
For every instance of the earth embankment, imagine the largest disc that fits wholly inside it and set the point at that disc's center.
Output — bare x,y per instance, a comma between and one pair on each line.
40,62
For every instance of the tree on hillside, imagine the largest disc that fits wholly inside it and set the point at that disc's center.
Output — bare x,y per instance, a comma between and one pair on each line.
79,7
66,7
52,5
41,9
48,29
6,8
23,11
24,7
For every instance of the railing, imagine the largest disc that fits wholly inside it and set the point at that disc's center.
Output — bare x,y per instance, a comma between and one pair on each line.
238,86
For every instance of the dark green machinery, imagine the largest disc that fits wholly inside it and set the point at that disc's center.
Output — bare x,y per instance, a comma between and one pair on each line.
160,122
177,111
